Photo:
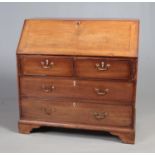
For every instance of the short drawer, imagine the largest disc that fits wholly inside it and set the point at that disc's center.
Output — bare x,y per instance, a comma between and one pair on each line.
46,65
92,90
73,112
108,68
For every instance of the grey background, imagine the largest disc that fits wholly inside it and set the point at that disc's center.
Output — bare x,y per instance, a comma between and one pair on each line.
12,16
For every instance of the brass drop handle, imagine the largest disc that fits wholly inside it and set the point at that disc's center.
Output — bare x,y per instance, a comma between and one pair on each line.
46,64
100,115
101,91
102,66
48,88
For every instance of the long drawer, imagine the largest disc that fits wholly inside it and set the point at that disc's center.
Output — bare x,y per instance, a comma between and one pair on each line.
67,111
93,90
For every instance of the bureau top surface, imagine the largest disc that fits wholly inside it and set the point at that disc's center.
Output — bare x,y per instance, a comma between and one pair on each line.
117,38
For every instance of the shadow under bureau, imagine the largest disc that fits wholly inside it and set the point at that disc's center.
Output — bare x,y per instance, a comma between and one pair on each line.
78,74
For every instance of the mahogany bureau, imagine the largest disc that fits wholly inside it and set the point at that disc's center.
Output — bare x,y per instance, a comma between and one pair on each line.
78,74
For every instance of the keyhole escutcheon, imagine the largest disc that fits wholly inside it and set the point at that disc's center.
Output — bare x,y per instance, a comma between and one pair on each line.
78,24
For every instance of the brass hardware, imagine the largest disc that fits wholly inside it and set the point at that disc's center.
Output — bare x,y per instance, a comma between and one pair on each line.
102,66
101,91
46,64
78,22
48,89
100,115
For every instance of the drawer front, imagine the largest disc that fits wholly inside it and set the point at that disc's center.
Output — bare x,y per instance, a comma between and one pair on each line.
93,90
76,112
46,65
103,68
